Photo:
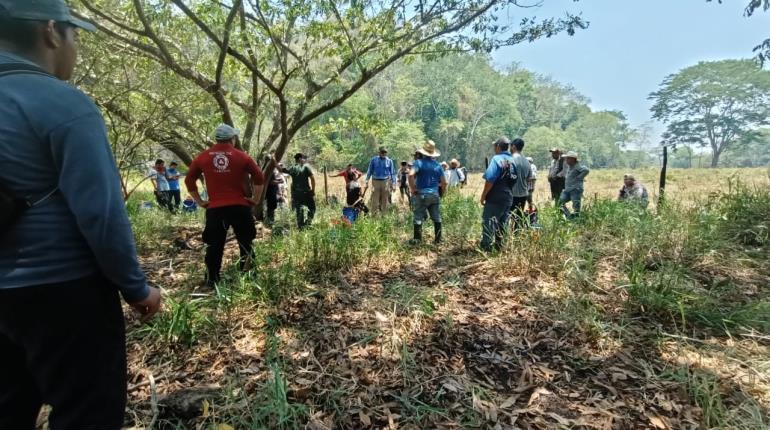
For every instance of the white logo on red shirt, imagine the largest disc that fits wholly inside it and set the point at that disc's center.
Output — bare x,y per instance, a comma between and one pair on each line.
221,162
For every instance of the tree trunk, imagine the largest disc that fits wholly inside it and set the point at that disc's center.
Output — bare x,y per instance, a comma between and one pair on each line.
715,159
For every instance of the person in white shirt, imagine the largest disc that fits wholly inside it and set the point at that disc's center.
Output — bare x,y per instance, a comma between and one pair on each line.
531,182
455,175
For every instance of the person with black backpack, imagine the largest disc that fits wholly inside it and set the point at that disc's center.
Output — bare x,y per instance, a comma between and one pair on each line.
497,197
66,254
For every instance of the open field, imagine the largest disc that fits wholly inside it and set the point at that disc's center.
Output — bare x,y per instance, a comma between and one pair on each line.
625,320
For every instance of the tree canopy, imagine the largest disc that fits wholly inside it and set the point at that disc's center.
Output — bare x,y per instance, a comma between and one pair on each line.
714,104
276,66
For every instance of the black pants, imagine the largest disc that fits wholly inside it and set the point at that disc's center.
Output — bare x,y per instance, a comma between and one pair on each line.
271,197
300,200
163,198
175,199
218,221
517,212
63,345
557,186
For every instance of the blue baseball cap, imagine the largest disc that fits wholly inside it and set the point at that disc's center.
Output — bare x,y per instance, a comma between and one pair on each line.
42,10
225,132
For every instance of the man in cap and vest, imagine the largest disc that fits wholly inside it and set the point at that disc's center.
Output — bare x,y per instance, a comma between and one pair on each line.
427,183
575,174
69,249
556,174
224,168
383,172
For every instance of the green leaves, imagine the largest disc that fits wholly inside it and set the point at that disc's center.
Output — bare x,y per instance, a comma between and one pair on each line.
713,104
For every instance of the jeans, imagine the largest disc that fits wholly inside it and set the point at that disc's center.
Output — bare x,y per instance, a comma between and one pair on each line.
574,196
64,345
494,220
425,204
218,221
163,198
300,200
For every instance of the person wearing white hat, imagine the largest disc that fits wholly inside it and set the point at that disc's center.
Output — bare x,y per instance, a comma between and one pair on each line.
455,175
573,184
633,191
427,183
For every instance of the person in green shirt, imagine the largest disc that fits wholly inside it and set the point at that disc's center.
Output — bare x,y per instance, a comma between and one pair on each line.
302,190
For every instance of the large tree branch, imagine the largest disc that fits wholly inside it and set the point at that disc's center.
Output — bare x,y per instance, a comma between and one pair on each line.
369,74
229,49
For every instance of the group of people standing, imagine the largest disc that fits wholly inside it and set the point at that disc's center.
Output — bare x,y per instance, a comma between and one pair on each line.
67,251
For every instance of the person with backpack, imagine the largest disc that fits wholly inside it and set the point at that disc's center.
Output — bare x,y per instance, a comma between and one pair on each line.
224,167
455,175
427,183
383,173
497,196
66,250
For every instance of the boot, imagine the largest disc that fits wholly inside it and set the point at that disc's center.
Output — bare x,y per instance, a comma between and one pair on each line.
436,233
417,235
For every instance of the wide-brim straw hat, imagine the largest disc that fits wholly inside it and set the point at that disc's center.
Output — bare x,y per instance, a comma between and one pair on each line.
429,149
454,161
571,154
554,150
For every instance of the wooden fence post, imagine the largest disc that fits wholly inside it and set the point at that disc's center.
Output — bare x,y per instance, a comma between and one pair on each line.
662,188
326,187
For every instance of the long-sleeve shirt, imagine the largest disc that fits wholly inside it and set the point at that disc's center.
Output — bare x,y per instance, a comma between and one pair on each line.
381,169
52,137
574,177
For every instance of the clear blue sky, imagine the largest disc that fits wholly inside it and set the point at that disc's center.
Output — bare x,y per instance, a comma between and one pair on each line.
631,45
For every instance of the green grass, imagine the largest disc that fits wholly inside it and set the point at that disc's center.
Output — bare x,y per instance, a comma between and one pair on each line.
679,269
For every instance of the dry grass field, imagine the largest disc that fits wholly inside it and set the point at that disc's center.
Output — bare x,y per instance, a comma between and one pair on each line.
622,320
683,185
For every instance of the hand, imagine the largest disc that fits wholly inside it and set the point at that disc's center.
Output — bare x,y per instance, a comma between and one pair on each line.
252,201
483,200
203,203
148,307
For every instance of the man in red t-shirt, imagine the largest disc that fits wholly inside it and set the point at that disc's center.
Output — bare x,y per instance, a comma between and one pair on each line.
224,169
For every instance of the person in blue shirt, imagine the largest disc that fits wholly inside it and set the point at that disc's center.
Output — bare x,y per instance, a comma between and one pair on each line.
383,171
63,262
175,196
427,183
497,197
